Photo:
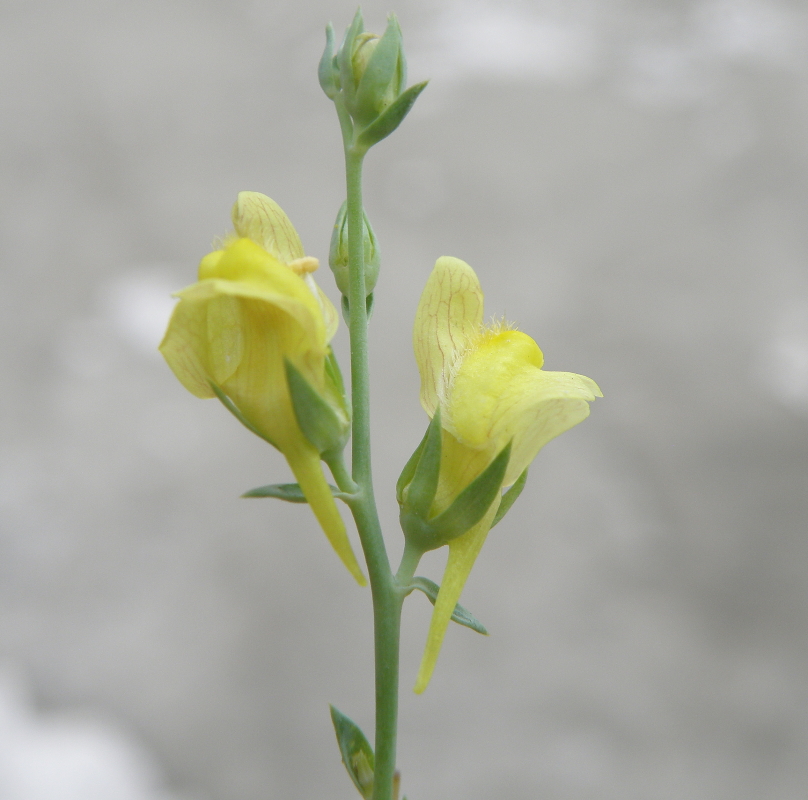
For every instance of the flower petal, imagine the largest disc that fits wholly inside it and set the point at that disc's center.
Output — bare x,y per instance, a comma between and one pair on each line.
500,394
245,269
184,348
544,406
449,316
305,463
463,552
258,217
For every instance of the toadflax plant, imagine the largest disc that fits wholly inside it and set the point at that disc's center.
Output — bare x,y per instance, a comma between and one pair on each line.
255,331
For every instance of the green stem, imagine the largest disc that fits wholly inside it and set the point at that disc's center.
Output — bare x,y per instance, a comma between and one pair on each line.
344,481
387,599
408,565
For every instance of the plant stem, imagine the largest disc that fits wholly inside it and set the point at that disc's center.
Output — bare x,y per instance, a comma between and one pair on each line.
387,599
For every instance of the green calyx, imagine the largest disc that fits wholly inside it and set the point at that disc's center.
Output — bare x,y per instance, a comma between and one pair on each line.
418,484
324,420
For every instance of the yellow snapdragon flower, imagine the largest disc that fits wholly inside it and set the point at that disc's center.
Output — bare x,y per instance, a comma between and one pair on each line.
254,307
491,389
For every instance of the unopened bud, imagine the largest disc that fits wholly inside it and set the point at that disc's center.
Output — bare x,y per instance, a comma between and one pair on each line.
367,77
377,72
363,48
338,258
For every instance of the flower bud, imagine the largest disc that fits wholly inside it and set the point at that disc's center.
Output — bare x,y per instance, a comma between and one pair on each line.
378,71
366,77
338,253
362,50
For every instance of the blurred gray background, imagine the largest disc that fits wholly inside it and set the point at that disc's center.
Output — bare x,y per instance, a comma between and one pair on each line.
629,179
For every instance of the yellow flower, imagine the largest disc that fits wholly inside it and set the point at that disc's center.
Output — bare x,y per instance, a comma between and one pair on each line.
255,307
492,391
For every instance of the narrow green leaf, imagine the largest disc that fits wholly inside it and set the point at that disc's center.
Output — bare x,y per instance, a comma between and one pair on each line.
509,498
231,407
381,67
325,71
460,615
357,754
290,492
391,117
318,419
470,505
424,482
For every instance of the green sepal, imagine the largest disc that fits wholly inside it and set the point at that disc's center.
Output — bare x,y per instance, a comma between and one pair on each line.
345,54
390,118
409,470
357,754
334,373
470,505
290,492
326,71
345,305
422,486
231,407
319,421
509,498
380,71
460,615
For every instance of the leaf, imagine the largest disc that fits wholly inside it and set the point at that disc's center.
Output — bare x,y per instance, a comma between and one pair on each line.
460,615
470,505
290,492
357,754
509,498
391,117
318,419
